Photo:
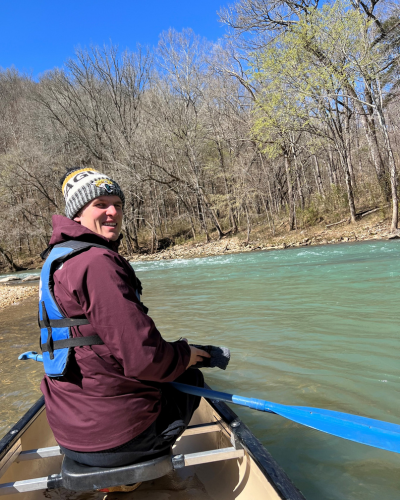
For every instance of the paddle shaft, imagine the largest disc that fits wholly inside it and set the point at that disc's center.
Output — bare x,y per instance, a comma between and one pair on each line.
256,404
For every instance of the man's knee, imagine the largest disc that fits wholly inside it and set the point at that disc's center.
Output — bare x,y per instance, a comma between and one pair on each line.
192,376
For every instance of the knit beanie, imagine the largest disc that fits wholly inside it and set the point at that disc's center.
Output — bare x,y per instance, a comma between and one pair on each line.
83,185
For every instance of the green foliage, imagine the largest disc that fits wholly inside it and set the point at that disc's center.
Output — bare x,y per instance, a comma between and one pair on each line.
305,68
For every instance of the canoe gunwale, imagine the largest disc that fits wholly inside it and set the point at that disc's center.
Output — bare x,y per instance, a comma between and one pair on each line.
7,441
263,459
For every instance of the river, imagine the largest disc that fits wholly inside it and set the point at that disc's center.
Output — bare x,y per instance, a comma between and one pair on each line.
315,326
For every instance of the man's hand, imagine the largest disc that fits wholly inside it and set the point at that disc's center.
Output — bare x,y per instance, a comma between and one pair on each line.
196,355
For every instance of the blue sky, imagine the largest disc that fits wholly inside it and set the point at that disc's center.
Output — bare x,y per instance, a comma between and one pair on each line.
37,35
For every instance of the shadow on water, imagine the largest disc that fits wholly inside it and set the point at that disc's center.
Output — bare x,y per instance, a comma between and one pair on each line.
19,380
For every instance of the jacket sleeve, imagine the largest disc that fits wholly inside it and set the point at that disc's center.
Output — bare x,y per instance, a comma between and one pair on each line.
101,283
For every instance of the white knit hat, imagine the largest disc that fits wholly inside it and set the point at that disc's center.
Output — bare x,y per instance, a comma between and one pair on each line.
83,185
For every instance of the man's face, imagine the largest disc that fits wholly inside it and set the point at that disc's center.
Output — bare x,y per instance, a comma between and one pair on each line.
103,216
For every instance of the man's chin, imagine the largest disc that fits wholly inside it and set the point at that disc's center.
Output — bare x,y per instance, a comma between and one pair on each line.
110,235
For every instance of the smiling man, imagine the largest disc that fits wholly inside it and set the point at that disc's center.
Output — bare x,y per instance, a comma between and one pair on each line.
107,366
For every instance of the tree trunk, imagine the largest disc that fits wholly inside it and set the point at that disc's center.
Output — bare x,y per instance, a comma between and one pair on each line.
248,222
332,170
269,215
298,180
202,218
318,179
370,134
392,168
345,165
232,217
290,192
134,236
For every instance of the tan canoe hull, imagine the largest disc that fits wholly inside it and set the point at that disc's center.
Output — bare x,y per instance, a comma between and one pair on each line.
237,466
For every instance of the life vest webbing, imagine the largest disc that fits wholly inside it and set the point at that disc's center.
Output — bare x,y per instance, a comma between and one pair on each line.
51,345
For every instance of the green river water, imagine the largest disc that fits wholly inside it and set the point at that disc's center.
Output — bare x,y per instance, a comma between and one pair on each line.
316,326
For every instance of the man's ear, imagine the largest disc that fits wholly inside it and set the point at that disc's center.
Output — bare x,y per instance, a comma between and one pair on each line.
78,216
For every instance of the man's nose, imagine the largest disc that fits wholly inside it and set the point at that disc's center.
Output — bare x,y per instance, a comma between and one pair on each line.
111,210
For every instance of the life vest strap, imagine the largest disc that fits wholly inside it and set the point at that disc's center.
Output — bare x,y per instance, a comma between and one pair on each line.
74,342
65,322
46,323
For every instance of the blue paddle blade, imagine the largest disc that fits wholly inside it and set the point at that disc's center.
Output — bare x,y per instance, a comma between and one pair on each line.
363,430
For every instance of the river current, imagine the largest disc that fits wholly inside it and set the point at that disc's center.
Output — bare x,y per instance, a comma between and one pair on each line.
315,326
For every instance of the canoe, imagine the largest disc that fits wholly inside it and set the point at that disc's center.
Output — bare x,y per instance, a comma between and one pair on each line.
217,457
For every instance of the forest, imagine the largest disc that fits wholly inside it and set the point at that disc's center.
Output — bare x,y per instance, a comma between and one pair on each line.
291,119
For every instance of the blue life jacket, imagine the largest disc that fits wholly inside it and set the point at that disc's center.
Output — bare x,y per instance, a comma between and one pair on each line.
56,339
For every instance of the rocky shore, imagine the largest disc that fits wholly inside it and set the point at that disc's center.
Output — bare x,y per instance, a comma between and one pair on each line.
14,295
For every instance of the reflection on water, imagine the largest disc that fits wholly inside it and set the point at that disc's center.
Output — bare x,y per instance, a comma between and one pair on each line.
314,326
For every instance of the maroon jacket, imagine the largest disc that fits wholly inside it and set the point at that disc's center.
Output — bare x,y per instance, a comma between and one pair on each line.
110,393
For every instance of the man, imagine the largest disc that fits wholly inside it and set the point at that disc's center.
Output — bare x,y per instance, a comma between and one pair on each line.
107,398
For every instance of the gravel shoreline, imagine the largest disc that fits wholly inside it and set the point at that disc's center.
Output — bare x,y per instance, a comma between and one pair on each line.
14,295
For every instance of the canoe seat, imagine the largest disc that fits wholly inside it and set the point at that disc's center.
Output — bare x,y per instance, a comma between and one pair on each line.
78,477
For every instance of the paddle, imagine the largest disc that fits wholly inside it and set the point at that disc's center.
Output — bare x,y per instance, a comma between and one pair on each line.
359,429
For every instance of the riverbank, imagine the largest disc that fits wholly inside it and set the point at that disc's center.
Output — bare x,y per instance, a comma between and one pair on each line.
14,295
375,229
372,227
